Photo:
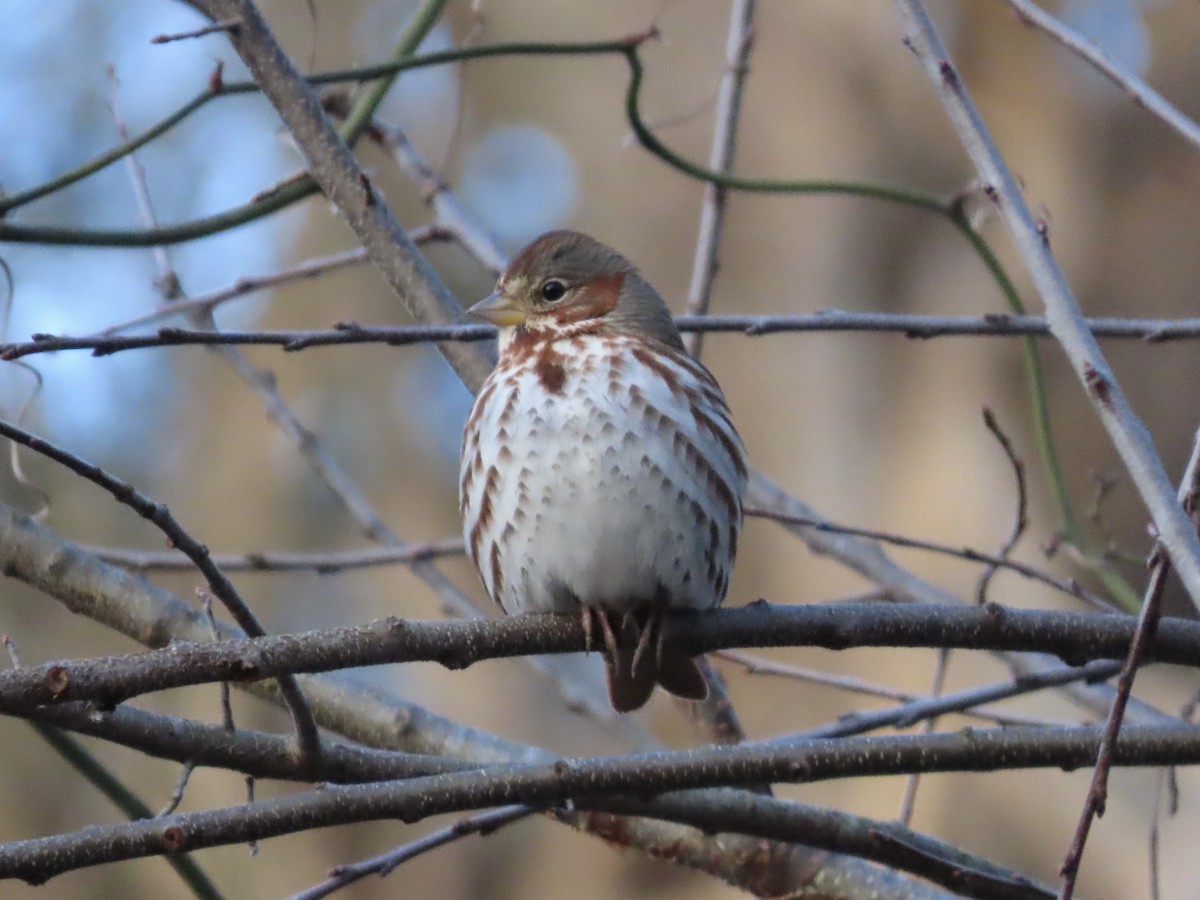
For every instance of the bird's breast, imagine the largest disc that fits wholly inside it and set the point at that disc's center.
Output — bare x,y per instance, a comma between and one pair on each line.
601,471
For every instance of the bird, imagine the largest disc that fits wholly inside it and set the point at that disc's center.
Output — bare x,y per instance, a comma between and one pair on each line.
601,474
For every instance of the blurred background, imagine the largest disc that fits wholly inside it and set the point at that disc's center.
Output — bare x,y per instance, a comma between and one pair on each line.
875,431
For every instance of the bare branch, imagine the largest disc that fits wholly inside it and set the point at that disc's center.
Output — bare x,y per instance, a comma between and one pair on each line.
588,781
327,563
910,325
384,864
1033,573
457,644
756,665
308,738
447,211
720,159
909,801
1143,638
211,28
1141,93
1020,519
333,167
908,714
206,303
1129,436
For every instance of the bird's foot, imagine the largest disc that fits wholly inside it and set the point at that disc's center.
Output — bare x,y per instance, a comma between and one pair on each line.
650,633
585,619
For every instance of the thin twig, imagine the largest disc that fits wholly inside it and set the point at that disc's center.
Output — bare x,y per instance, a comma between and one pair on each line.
211,28
758,665
322,563
180,787
167,280
1147,625
908,714
448,212
226,700
738,45
14,452
1160,788
1067,586
1103,485
1020,520
481,823
250,284
10,646
1141,93
909,801
909,325
251,843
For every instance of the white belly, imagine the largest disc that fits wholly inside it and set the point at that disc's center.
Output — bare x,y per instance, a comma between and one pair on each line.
598,494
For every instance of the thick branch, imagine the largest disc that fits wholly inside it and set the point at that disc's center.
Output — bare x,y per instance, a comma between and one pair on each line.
583,780
1073,636
266,756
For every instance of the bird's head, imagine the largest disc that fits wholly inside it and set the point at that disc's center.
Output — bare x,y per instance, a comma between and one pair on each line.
568,282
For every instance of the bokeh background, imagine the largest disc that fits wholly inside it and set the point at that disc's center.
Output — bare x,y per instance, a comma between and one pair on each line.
874,430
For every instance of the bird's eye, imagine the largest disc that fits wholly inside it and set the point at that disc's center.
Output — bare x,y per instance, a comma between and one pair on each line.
553,290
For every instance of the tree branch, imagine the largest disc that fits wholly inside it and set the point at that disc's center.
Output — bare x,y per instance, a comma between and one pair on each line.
332,165
307,736
1143,638
1129,436
738,46
1141,93
346,333
587,781
1075,637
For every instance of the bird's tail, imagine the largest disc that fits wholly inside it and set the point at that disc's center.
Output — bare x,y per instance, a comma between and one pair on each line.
638,660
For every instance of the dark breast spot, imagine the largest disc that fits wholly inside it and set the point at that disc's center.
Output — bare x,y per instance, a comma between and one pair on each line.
497,575
510,404
551,374
669,376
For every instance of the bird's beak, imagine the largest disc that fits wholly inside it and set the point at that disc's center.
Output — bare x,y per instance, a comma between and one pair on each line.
499,310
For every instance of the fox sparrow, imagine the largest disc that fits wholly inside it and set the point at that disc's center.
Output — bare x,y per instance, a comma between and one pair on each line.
600,473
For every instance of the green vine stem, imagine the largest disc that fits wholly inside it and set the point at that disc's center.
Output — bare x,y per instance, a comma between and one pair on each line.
125,800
